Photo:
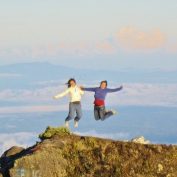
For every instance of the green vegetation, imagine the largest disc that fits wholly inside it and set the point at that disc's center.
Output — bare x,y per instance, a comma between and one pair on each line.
51,131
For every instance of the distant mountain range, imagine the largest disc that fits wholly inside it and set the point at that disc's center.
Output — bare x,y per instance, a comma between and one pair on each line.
24,75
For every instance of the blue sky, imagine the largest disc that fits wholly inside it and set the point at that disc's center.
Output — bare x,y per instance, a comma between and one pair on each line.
81,33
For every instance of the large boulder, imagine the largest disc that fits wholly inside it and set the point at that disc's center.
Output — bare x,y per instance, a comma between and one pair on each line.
12,151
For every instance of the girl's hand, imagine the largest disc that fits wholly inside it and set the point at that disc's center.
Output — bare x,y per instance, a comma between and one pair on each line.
81,87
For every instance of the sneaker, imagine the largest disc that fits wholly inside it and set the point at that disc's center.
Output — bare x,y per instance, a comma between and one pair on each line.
75,124
114,112
67,124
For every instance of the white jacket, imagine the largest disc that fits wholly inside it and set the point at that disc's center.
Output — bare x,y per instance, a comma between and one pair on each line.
74,93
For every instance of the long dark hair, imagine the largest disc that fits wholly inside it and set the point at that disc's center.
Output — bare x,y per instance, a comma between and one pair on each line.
105,81
68,83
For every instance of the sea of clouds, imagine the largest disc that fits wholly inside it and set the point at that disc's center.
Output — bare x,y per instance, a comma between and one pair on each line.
22,139
40,100
135,94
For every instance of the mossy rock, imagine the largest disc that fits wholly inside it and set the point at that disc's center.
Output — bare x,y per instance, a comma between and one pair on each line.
51,131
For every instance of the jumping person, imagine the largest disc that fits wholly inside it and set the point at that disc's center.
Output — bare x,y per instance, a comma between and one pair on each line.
75,102
100,112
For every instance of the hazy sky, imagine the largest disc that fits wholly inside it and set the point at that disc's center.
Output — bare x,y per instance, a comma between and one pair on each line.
99,34
92,33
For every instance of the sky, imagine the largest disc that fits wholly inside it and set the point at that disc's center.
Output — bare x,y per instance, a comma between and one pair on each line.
131,37
80,33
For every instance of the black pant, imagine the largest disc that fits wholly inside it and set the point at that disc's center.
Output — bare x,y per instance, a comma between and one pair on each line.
100,113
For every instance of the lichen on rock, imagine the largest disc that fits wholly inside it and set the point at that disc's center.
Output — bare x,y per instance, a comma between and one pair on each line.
52,131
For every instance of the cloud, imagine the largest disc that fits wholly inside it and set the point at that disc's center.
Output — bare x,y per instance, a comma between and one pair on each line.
33,108
42,94
40,100
55,50
115,136
5,94
146,95
22,139
172,48
105,47
131,38
9,75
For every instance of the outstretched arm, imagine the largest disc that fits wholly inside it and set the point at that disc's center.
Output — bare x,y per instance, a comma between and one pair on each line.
89,89
115,90
61,94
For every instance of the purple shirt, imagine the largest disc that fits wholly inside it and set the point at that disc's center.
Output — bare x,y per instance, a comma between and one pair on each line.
100,94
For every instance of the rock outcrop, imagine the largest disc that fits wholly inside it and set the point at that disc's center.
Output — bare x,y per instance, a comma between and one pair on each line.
62,154
140,140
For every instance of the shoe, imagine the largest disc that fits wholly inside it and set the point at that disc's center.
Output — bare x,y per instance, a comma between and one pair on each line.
75,124
67,124
114,112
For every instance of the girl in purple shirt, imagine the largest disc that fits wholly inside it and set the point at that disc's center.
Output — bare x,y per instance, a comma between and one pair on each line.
100,112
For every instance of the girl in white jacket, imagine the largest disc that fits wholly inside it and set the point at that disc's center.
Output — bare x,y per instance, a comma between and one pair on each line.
75,94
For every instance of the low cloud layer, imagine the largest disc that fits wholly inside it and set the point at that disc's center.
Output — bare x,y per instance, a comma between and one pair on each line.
133,94
22,139
146,95
115,136
9,75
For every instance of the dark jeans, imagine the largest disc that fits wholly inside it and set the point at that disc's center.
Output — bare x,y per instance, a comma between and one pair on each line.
100,113
75,111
